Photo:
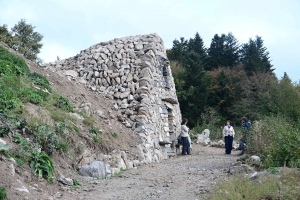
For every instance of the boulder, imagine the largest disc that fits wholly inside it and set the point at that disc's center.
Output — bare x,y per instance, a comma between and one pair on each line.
255,160
96,169
219,144
203,138
66,181
240,169
72,73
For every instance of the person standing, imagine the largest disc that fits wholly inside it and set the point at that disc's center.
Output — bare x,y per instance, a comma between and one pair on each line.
228,133
185,138
246,125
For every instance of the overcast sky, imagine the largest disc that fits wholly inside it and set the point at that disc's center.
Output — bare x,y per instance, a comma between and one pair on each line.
69,26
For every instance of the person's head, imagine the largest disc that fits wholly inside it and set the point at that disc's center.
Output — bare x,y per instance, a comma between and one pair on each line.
244,119
184,121
228,122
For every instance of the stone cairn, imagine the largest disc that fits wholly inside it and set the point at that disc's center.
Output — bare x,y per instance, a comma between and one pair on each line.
134,72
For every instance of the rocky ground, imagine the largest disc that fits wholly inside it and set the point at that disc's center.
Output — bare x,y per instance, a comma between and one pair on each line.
182,177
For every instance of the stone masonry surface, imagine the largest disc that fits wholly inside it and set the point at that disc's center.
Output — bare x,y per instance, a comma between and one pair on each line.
135,73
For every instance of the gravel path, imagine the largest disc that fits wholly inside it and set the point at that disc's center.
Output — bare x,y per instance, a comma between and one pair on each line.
183,177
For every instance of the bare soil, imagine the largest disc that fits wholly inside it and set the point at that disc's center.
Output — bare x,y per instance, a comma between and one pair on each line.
182,177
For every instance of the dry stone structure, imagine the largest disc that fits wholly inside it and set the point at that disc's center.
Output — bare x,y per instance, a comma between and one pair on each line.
135,73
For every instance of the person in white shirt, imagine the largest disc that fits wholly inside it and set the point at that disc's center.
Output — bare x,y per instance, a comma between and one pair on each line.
186,143
228,133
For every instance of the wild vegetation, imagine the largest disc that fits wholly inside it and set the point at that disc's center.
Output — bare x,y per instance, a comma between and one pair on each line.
229,80
19,87
23,39
285,186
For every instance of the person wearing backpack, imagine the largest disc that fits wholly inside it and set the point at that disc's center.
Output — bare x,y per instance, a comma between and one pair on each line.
246,126
228,133
186,143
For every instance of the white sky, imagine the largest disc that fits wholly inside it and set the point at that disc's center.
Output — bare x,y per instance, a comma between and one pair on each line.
69,26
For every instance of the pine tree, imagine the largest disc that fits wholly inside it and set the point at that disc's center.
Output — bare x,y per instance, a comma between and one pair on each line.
223,51
193,93
255,57
178,50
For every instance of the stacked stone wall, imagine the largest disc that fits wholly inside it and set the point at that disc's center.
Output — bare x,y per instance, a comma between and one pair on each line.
135,73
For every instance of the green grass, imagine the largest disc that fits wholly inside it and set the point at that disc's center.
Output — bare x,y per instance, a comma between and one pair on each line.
10,63
97,139
2,193
283,186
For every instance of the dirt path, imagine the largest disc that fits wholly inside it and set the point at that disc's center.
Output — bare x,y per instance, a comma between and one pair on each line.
184,177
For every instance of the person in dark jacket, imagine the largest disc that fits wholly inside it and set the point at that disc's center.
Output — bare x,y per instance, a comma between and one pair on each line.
246,126
186,144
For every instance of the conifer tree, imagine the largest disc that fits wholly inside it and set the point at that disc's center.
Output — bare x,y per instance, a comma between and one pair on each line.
223,51
255,57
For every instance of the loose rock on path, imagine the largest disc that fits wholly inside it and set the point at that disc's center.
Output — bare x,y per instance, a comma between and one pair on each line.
182,177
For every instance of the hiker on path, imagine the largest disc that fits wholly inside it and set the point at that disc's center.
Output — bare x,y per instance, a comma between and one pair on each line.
186,143
246,125
228,133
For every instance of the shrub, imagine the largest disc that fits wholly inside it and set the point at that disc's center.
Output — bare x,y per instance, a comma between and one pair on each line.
4,129
42,165
76,182
40,80
2,193
62,146
9,63
64,104
276,140
60,129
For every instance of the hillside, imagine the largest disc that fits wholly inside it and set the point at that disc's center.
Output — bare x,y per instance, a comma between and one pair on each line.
85,136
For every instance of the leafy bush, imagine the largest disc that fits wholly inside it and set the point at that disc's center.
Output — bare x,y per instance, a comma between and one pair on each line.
210,119
64,104
10,63
22,152
42,165
4,129
2,193
40,80
62,146
45,137
60,129
276,140
76,182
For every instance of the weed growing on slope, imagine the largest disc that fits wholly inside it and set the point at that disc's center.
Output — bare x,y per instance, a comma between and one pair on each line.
42,165
2,193
64,104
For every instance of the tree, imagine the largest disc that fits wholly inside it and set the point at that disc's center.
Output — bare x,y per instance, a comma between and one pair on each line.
178,50
193,91
28,42
223,51
5,36
255,57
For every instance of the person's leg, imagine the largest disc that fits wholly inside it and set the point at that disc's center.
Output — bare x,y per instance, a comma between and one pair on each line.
226,144
188,150
184,145
230,140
